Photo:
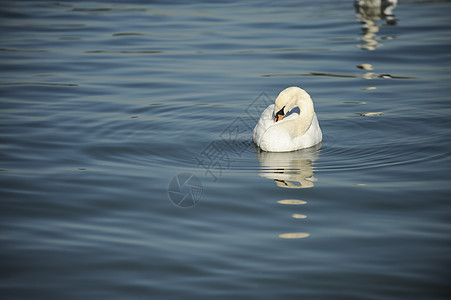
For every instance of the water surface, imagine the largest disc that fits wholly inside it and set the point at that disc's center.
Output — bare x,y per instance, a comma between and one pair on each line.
103,104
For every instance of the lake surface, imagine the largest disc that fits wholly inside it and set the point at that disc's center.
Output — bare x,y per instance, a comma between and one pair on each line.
128,169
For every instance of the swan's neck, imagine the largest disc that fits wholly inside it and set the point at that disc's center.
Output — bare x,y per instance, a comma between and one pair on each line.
299,126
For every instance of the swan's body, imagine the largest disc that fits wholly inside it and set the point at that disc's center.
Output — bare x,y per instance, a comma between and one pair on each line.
281,128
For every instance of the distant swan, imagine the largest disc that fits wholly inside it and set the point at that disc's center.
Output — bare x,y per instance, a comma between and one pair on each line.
289,124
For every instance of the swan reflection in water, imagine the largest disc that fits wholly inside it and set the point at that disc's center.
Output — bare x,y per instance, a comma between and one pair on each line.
370,11
292,170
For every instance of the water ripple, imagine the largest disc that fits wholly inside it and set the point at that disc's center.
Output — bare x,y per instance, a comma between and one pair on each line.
320,74
378,143
39,83
23,50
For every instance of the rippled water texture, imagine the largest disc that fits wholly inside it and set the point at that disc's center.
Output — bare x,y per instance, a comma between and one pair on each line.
128,171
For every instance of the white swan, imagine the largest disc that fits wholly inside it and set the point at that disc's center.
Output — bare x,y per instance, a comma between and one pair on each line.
289,124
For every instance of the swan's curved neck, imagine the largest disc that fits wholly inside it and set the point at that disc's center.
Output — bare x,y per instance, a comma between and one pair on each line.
299,126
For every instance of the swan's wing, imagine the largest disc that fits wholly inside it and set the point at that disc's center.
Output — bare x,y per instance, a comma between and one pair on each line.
266,120
312,137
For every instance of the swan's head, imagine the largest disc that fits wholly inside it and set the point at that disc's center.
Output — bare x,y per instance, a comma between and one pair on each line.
287,100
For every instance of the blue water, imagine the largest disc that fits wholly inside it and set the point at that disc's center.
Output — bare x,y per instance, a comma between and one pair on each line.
108,108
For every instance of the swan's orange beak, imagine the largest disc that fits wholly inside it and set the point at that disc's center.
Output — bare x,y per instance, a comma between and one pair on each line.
279,115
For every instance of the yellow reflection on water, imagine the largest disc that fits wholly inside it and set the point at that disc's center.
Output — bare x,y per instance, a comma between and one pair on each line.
292,170
371,114
299,216
294,235
365,66
369,12
292,202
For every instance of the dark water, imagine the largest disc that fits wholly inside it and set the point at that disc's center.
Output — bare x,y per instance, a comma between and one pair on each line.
103,104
